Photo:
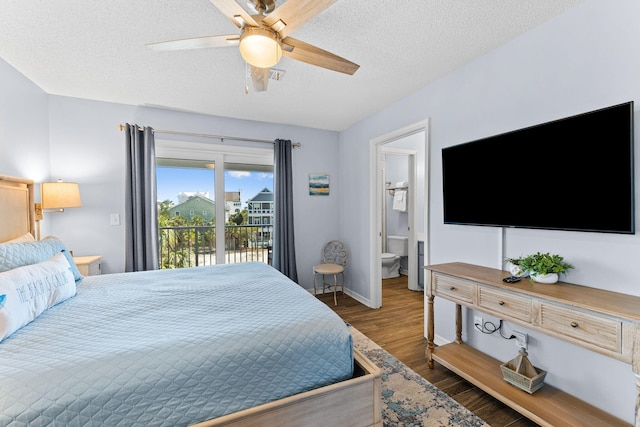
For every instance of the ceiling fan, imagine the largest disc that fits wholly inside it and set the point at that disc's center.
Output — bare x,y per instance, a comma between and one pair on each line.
264,37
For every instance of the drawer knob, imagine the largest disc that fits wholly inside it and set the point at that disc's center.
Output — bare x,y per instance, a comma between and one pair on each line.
453,288
501,302
574,324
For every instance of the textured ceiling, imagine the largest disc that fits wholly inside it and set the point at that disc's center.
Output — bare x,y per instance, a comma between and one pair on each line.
96,50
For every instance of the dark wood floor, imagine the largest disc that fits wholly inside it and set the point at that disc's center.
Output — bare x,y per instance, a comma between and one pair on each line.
398,327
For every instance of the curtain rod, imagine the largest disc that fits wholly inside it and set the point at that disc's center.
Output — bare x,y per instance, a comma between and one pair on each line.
220,137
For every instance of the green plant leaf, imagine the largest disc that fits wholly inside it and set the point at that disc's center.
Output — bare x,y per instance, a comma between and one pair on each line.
540,263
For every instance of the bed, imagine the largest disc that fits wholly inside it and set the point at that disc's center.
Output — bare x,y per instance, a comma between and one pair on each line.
207,346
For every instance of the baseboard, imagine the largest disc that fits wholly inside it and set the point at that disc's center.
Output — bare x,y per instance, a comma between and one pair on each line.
355,296
358,297
438,340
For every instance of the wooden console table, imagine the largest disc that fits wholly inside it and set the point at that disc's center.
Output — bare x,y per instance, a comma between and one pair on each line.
601,321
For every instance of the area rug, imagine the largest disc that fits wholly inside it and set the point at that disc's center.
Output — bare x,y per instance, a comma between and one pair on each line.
407,398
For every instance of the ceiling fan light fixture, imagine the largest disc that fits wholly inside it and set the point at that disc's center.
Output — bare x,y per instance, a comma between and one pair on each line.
260,47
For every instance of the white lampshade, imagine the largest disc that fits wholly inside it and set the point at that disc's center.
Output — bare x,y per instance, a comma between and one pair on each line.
60,195
260,47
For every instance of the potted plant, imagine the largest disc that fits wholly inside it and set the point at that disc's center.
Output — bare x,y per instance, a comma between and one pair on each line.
542,268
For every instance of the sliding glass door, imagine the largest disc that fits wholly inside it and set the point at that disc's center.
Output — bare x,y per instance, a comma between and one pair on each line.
215,204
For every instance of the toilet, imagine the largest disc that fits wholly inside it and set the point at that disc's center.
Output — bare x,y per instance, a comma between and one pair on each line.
397,246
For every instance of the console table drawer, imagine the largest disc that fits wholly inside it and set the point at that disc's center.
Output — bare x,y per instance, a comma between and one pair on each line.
455,289
601,331
507,303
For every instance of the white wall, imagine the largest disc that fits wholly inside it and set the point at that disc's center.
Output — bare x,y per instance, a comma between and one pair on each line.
582,60
24,126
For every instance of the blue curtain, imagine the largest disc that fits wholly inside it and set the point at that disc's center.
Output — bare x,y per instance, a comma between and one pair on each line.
284,254
141,221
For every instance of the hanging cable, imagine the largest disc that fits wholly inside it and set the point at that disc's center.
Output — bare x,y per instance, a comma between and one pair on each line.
489,328
246,78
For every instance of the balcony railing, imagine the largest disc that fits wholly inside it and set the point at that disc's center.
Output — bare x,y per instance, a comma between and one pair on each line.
192,246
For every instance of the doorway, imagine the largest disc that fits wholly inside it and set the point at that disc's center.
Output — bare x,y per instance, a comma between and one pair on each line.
413,142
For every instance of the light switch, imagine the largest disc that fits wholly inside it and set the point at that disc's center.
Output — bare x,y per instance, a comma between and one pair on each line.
115,219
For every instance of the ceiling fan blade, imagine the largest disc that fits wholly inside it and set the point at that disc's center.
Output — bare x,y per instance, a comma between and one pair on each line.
315,56
197,42
232,10
260,78
293,13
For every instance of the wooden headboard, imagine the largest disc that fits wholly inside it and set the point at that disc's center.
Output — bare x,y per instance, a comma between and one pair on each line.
17,215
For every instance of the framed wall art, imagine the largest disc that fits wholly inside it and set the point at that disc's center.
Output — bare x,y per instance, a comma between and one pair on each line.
318,184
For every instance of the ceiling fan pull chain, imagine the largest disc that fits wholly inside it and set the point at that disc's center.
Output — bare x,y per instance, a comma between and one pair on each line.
246,78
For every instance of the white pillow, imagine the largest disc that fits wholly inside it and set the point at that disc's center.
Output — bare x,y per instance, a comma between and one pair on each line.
26,237
26,292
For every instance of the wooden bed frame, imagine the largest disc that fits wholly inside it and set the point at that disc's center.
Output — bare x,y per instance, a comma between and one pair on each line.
355,402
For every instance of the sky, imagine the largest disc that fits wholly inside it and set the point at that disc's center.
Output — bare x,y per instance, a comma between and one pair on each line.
172,181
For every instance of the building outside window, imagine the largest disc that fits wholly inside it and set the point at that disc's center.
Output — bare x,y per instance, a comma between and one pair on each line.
260,210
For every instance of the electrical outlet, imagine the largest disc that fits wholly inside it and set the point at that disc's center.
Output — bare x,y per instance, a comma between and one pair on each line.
521,339
478,323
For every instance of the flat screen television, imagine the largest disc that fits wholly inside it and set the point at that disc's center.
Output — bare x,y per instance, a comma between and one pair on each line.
574,174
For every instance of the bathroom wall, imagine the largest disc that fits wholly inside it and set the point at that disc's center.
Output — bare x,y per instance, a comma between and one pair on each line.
396,222
396,170
415,142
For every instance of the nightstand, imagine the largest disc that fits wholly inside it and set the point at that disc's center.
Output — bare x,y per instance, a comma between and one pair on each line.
88,265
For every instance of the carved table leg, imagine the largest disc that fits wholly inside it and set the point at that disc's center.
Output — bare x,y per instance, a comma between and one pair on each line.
458,324
430,332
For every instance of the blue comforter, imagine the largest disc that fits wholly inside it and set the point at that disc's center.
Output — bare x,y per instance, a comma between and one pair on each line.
170,348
